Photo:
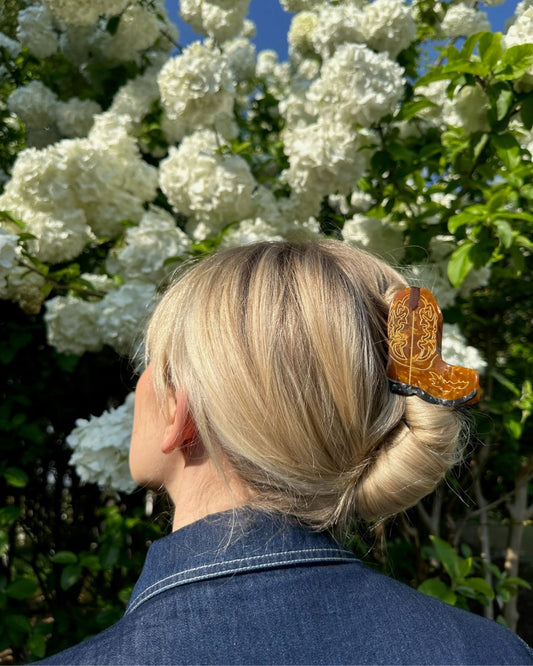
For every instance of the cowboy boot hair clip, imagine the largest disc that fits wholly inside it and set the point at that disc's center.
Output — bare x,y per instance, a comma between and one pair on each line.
415,366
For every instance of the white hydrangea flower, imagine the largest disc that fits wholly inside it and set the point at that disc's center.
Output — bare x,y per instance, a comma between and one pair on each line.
463,21
275,74
10,45
441,246
40,181
103,177
337,25
136,97
361,201
36,31
301,33
220,19
76,116
240,55
212,188
72,325
300,206
196,86
75,43
375,236
57,238
8,254
433,277
521,8
85,13
258,229
101,448
25,287
113,181
521,32
388,25
149,245
456,352
358,85
325,157
138,30
249,29
466,109
122,314
493,3
470,104
34,104
251,231
339,204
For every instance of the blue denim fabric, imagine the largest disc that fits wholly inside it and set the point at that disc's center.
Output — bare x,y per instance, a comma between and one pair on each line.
248,588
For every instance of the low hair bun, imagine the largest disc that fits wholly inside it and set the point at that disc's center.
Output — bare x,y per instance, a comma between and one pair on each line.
411,461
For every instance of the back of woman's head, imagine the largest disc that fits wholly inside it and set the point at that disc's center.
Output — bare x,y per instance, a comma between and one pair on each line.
281,348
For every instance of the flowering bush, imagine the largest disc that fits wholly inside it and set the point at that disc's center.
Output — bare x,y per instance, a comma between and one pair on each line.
123,154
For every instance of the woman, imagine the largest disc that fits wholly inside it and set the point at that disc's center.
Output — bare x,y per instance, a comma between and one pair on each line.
266,413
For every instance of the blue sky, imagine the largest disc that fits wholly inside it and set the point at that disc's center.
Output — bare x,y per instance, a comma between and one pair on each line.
273,23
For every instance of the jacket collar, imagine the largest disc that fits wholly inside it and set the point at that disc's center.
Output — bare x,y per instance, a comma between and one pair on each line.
229,543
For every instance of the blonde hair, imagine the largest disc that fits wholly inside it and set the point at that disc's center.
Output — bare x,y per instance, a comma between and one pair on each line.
281,348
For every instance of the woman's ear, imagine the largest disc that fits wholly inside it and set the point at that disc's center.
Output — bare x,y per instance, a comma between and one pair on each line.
180,428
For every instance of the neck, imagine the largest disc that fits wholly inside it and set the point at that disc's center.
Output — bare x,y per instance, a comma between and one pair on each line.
200,489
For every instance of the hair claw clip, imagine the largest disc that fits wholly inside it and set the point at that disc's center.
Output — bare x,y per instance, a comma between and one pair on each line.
415,366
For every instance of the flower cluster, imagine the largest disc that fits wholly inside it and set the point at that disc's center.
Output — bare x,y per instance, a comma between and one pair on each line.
36,31
358,86
196,88
75,326
101,448
220,19
383,25
461,20
77,13
212,187
149,248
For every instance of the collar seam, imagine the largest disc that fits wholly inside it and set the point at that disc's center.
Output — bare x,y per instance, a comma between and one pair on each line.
254,562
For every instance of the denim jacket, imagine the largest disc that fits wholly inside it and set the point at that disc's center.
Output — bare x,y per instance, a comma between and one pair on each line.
248,588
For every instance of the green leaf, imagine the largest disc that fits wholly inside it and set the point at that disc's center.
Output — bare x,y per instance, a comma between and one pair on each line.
4,542
70,576
518,582
464,566
490,49
18,623
505,382
37,645
513,425
481,586
504,232
508,149
460,263
15,477
411,109
21,588
448,557
64,557
515,62
434,587
459,220
497,200
9,515
501,98
524,242
526,111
